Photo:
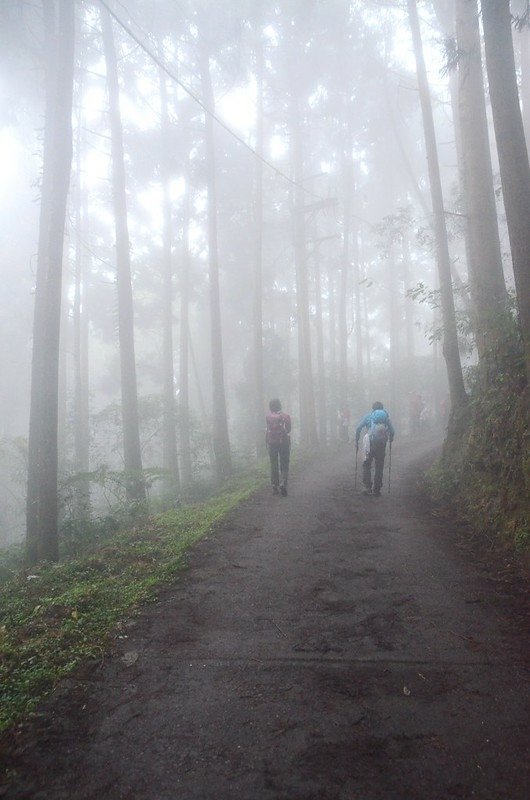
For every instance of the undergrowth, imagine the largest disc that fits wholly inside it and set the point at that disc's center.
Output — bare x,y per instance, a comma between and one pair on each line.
58,616
483,472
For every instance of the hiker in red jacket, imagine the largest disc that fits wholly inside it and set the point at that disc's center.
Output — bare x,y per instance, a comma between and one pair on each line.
279,445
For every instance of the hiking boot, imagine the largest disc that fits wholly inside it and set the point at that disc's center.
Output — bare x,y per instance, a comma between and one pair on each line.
377,492
283,491
367,491
275,490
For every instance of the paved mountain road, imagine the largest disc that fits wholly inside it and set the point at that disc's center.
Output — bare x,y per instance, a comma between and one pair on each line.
324,646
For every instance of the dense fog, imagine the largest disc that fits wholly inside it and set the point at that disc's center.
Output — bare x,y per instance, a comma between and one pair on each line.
247,212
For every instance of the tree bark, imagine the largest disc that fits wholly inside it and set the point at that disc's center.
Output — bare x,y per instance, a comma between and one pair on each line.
344,288
134,481
450,339
259,390
169,423
332,350
308,427
367,341
321,367
184,346
358,329
221,442
511,147
525,82
409,323
80,321
42,541
393,324
489,295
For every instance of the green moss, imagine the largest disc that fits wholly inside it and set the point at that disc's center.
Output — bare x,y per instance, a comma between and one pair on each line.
57,617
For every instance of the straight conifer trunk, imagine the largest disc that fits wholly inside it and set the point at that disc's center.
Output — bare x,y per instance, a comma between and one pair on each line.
525,82
135,485
344,287
169,423
42,541
321,367
184,346
511,147
259,390
358,323
488,289
409,322
221,443
80,322
332,351
450,339
394,324
308,427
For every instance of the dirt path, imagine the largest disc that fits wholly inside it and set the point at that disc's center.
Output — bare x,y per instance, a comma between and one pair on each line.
324,646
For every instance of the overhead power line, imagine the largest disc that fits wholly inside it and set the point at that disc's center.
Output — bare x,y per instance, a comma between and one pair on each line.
199,102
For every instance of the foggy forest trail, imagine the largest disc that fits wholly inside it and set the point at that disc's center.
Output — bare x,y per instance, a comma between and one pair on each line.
323,646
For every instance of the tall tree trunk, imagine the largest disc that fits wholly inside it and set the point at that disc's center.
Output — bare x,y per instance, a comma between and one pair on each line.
308,428
445,13
359,361
367,340
332,350
135,485
200,398
511,147
394,324
321,368
169,423
42,504
490,299
413,178
65,341
221,443
409,323
80,320
184,345
450,338
344,288
525,81
406,163
257,320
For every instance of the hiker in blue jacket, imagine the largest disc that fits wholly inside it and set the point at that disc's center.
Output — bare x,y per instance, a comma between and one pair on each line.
379,431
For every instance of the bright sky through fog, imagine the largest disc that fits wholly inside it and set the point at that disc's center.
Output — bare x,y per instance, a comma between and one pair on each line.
152,199
238,109
11,152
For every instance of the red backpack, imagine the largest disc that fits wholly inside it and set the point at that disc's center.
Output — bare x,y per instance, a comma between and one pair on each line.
276,428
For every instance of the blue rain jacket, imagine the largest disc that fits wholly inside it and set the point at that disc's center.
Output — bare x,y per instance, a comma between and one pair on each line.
377,417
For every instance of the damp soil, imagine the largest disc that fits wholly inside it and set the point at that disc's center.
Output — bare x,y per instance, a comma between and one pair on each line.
322,646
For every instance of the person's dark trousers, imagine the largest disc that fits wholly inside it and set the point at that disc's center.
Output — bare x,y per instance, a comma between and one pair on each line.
279,456
377,454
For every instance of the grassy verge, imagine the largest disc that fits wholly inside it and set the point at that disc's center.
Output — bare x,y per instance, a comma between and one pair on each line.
483,474
58,616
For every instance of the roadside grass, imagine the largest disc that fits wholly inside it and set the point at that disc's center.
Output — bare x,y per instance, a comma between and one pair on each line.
484,471
58,616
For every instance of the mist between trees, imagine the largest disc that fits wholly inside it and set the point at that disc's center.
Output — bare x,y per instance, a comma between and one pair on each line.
205,205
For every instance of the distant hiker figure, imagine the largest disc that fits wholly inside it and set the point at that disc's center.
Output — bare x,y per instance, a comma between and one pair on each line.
279,444
379,431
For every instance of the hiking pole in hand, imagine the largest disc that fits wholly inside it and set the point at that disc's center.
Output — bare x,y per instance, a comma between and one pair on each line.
356,460
389,465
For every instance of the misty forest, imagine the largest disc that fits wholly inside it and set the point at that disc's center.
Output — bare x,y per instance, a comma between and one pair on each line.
207,205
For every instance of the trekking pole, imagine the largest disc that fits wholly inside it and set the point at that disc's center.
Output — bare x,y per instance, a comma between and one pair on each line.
356,460
389,465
